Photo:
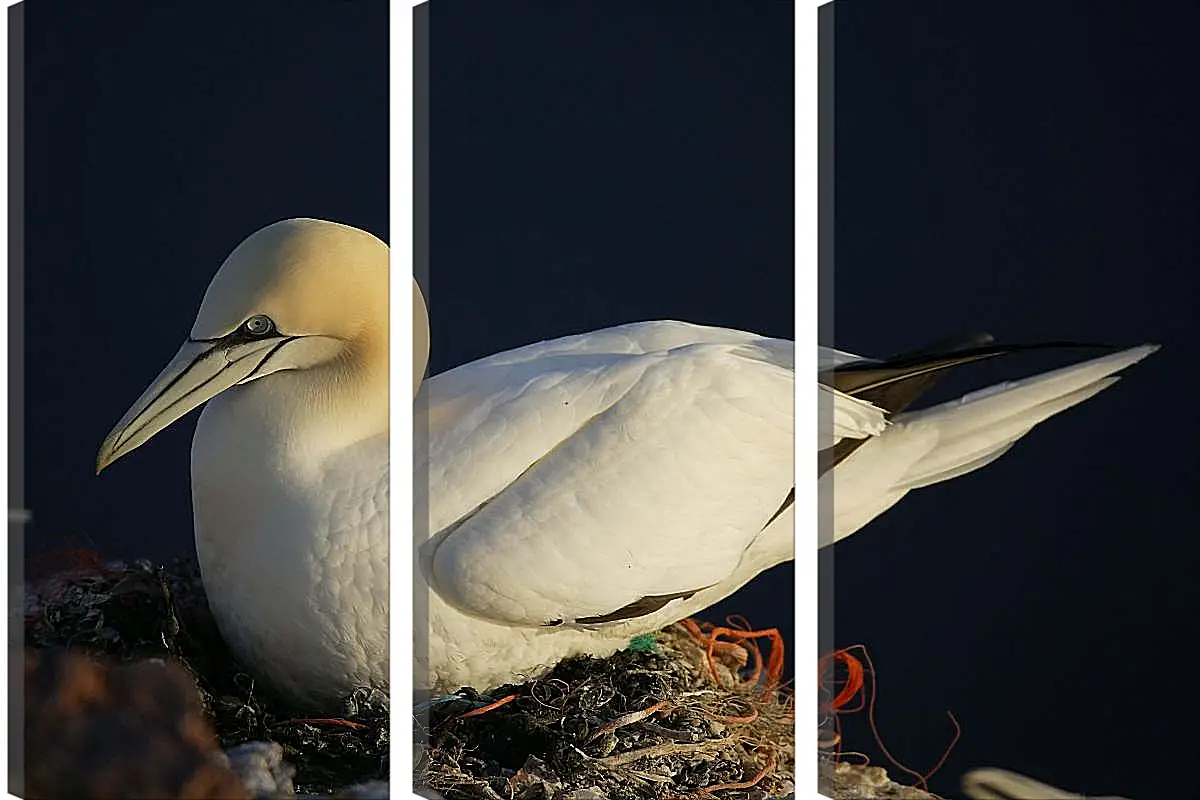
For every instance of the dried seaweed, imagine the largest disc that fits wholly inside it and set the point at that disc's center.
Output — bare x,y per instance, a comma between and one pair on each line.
559,738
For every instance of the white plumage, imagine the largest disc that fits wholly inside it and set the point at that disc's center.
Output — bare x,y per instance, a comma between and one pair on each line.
850,417
570,479
569,495
919,448
290,456
294,557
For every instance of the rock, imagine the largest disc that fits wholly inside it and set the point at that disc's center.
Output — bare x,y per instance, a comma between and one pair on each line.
371,790
845,781
95,731
262,769
582,794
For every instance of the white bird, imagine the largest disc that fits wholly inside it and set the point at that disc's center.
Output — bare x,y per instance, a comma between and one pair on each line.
580,491
569,495
872,469
588,489
290,456
849,417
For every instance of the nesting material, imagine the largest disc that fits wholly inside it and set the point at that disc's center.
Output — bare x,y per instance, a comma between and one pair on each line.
583,731
129,612
580,731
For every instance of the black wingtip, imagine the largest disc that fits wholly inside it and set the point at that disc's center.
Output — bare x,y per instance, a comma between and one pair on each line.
950,344
959,352
894,383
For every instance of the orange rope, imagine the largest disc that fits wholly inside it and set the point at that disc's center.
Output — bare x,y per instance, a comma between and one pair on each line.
731,720
765,771
743,637
855,686
854,679
489,707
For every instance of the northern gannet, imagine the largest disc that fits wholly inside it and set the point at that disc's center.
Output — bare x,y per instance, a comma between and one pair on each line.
592,488
874,459
588,489
569,495
290,455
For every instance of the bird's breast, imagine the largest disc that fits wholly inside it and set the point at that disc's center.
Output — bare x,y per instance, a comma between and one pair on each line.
292,544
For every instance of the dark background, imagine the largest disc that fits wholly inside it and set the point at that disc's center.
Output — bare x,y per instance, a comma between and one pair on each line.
1026,168
158,136
1029,168
591,166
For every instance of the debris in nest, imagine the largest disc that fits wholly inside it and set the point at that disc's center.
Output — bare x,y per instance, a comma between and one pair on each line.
844,688
643,723
842,780
132,612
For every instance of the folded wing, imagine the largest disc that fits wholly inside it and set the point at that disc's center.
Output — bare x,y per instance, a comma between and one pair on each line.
589,478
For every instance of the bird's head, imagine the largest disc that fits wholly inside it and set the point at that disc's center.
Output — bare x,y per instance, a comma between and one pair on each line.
300,294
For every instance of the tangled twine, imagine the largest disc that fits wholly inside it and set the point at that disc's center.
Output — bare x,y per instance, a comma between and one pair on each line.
837,696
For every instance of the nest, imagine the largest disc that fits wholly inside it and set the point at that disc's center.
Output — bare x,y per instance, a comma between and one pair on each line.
127,613
659,720
655,721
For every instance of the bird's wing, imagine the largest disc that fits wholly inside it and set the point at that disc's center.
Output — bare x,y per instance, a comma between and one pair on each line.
849,417
828,358
635,338
951,439
577,484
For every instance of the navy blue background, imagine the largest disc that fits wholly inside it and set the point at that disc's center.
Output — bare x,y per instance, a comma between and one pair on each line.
1029,168
158,135
1026,168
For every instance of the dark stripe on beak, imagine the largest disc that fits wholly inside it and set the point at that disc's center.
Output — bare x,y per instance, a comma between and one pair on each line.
211,352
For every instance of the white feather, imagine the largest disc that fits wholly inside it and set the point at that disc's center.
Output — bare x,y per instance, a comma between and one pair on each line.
936,444
571,478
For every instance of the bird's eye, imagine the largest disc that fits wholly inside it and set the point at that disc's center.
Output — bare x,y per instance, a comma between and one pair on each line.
258,325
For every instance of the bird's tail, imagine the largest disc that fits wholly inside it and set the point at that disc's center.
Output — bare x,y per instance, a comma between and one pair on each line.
979,427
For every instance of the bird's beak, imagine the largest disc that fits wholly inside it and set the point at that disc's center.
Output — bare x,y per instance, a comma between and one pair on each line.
199,371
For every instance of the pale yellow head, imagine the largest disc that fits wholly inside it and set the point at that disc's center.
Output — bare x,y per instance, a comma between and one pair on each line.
311,277
301,294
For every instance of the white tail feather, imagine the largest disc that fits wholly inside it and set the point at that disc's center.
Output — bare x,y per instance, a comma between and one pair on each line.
962,445
945,441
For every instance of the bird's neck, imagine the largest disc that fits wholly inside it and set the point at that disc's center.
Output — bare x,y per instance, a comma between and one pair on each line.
354,388
305,416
